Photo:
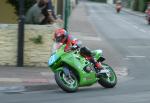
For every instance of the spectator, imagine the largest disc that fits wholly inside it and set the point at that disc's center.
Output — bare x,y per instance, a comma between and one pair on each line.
148,8
41,13
51,9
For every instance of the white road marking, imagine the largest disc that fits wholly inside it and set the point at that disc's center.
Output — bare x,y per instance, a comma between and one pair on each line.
142,30
10,80
136,56
125,21
126,58
136,27
139,46
12,89
21,80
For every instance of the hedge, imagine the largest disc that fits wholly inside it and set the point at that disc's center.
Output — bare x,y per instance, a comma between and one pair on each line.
138,5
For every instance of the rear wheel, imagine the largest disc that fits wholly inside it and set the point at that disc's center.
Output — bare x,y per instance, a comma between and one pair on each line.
108,80
68,84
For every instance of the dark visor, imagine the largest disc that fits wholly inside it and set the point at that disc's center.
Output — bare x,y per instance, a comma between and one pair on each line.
59,39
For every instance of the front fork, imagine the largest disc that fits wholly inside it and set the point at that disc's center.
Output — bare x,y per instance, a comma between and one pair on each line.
66,71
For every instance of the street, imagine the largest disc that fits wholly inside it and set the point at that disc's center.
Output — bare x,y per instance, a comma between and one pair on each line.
124,39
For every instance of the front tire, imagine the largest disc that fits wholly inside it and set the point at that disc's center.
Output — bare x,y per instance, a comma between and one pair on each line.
108,82
118,10
67,84
149,22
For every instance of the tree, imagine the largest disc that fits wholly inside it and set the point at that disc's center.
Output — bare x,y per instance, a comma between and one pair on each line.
27,5
139,5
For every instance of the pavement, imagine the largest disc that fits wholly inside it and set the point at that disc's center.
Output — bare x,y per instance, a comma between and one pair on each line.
17,79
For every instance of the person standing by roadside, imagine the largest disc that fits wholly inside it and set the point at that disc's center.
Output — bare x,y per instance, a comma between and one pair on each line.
41,13
147,11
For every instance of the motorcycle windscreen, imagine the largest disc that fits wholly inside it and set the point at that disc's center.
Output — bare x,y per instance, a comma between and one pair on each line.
55,47
52,59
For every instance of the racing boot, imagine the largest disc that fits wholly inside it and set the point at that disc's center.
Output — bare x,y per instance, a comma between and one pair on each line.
100,70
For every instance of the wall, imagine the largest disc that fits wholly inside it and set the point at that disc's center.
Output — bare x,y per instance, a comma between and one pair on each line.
34,54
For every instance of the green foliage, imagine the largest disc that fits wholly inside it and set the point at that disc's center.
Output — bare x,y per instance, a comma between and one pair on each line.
138,5
134,5
27,4
142,5
128,4
146,2
37,40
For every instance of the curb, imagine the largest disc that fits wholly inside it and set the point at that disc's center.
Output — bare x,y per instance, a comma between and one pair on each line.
133,12
130,11
12,89
40,87
40,84
26,85
28,88
19,80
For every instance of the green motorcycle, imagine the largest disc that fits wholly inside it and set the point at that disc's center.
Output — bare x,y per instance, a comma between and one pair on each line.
73,70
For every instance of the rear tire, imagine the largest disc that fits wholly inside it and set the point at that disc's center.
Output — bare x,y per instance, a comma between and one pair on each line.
70,85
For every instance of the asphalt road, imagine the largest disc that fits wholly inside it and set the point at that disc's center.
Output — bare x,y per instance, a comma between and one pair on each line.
125,39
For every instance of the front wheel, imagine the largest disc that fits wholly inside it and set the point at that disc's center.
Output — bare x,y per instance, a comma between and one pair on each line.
68,84
108,80
118,10
149,21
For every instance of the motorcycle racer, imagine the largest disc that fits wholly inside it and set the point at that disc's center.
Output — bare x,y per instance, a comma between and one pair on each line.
62,36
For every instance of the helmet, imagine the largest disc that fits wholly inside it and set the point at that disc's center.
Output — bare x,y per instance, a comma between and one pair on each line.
60,34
